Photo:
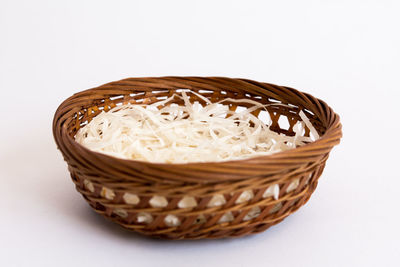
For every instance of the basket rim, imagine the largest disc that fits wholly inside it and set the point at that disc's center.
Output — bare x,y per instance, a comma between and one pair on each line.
330,138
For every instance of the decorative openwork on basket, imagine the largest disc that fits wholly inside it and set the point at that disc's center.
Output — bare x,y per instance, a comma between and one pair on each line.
197,200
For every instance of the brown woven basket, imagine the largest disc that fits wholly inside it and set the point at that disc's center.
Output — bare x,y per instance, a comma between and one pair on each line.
124,190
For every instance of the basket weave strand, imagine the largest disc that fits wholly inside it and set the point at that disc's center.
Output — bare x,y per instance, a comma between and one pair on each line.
105,181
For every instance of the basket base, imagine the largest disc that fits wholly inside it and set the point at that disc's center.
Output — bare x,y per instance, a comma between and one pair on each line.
223,230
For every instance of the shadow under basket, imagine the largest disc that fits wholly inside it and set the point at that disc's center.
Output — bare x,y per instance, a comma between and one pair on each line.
198,200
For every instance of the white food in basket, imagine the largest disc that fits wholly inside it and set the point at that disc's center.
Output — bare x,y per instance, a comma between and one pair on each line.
277,207
273,190
187,202
172,221
158,202
253,213
200,219
188,133
121,212
227,217
132,199
245,196
216,200
89,185
293,185
144,217
107,193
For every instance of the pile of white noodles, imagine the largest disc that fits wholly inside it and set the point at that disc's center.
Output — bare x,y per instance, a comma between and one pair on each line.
187,133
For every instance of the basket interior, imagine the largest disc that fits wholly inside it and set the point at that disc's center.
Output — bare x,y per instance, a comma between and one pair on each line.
280,118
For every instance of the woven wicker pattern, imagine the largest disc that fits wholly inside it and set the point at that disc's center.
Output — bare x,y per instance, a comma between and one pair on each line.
197,200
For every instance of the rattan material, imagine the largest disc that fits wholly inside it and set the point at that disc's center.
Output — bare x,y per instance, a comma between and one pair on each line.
104,181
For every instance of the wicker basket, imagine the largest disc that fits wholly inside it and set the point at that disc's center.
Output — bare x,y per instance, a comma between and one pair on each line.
197,200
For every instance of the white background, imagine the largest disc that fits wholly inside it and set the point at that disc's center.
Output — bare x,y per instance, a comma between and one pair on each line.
344,52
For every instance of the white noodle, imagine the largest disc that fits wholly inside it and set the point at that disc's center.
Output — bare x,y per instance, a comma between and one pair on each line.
170,133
